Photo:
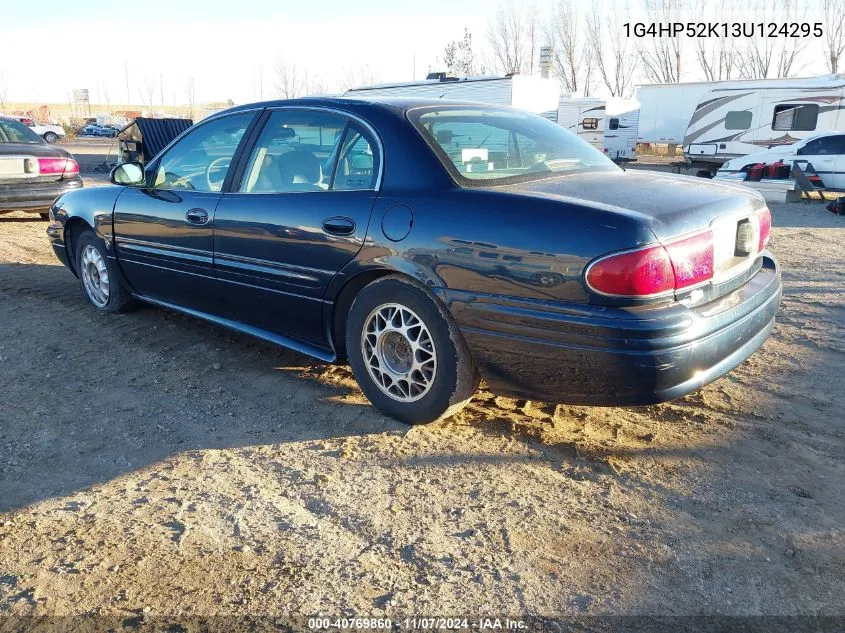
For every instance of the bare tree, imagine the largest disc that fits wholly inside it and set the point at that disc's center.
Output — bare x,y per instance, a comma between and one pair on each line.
149,91
761,56
289,85
507,36
716,56
570,52
459,56
363,76
3,92
317,87
190,92
661,55
614,60
834,31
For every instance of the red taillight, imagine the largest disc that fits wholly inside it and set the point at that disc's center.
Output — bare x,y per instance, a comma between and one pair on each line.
692,259
765,229
57,166
656,269
641,273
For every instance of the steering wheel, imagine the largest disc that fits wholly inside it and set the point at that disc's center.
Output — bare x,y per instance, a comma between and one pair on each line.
217,164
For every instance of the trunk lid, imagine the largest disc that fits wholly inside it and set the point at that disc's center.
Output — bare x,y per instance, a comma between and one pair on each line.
670,206
19,163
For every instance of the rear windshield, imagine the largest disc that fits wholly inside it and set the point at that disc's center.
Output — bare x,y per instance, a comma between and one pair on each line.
488,145
14,132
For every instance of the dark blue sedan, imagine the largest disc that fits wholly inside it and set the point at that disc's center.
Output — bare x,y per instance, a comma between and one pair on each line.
434,243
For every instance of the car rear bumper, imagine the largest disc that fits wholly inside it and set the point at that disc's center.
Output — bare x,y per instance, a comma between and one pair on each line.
604,356
35,197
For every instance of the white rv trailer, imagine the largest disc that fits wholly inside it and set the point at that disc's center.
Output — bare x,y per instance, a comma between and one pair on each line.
666,109
527,92
608,125
584,117
734,121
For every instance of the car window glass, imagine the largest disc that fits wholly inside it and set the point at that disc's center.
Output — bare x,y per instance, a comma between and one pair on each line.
200,160
613,124
480,143
296,151
801,117
822,146
738,120
15,132
357,166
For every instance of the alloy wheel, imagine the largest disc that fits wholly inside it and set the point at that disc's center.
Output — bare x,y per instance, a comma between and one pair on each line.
95,276
399,352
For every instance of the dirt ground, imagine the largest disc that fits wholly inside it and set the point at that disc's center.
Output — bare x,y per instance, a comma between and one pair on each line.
155,465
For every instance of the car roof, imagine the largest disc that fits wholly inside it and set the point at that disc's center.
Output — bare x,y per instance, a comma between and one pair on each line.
356,103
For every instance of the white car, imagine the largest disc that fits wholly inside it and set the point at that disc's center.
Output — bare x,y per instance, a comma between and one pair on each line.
50,133
825,152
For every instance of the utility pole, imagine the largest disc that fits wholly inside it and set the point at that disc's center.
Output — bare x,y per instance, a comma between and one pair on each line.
128,94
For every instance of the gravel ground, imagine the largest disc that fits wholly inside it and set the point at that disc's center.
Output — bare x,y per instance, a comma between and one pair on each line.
155,465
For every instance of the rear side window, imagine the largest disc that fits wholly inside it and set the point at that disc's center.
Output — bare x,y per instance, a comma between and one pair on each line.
590,124
738,120
613,124
305,150
801,117
14,132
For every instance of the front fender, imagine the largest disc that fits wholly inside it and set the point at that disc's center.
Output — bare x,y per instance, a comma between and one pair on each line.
93,205
91,208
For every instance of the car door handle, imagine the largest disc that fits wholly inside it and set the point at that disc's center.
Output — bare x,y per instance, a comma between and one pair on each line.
339,226
197,216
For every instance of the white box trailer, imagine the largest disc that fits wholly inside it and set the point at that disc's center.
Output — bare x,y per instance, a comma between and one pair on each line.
608,125
527,92
666,110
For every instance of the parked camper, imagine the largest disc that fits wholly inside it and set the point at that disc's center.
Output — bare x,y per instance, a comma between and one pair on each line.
527,92
584,117
620,130
666,110
730,122
610,126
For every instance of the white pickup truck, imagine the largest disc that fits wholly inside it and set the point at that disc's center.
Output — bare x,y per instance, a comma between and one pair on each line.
50,133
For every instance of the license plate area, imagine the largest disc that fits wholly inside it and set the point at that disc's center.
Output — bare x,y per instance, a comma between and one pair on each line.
735,241
12,166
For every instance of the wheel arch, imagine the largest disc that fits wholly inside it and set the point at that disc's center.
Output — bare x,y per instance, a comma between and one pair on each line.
413,273
74,227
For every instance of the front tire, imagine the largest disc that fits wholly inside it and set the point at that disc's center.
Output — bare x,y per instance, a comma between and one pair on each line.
407,353
99,276
51,137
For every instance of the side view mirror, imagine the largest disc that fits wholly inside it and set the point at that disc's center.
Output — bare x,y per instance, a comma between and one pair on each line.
131,174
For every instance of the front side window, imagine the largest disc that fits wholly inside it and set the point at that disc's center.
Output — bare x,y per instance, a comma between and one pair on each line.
499,145
738,120
200,160
829,145
15,132
794,116
310,150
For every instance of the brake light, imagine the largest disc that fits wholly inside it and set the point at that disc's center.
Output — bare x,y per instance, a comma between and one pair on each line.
765,229
48,166
692,259
656,269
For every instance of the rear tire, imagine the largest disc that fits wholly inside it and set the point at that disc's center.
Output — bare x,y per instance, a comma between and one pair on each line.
99,276
407,353
51,137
